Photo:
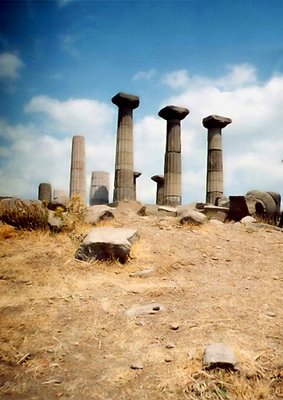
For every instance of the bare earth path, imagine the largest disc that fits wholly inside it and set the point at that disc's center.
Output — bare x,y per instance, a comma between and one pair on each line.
64,332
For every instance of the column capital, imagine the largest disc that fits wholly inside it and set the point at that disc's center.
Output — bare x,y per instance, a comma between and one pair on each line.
127,100
158,178
216,121
137,174
173,112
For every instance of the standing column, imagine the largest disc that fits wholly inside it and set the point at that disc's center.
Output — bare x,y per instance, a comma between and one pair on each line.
172,163
45,192
78,174
124,163
99,188
159,179
136,176
214,178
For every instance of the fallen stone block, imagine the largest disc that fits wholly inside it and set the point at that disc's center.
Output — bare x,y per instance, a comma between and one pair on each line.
167,210
238,208
97,213
218,355
146,309
123,207
193,218
107,244
248,220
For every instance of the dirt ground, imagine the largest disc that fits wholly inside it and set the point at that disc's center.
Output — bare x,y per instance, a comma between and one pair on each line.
64,332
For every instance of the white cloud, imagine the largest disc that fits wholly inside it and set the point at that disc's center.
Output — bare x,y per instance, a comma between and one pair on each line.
63,3
252,144
144,75
10,66
177,79
68,44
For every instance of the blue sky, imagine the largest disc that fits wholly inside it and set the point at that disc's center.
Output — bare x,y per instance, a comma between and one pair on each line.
61,62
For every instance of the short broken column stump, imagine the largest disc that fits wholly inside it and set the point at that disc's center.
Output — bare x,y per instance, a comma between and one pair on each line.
107,244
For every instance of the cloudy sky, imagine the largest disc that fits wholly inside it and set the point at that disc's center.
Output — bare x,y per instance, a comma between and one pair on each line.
62,61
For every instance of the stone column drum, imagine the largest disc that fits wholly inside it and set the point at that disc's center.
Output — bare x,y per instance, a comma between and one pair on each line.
99,188
172,163
159,179
214,179
136,176
45,192
124,163
78,173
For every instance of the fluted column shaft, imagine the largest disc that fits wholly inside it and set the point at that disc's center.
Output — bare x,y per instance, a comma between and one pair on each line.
214,177
78,170
124,188
159,179
45,192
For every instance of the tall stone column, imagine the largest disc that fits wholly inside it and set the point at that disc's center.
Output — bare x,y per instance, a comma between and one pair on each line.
45,192
78,174
159,179
124,163
99,188
136,176
214,178
172,163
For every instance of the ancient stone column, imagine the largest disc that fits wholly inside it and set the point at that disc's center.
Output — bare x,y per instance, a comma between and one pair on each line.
45,192
214,180
159,179
60,196
136,176
172,163
99,188
124,163
78,173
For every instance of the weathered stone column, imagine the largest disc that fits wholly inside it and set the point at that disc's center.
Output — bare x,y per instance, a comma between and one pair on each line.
124,163
60,196
214,179
45,192
159,179
78,174
136,176
99,188
172,163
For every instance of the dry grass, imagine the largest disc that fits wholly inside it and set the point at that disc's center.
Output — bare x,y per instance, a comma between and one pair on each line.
64,333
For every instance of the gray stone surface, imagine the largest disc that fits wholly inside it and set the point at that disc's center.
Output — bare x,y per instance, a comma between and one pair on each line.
124,188
145,309
167,210
94,214
238,208
78,169
220,216
214,177
172,194
99,188
193,218
123,207
265,204
107,243
248,220
218,355
55,223
45,192
60,197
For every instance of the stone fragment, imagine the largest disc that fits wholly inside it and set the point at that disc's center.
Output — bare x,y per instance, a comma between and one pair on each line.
266,203
143,273
126,206
138,310
218,355
167,210
174,326
168,358
170,345
220,216
136,365
107,243
248,220
193,218
55,223
97,213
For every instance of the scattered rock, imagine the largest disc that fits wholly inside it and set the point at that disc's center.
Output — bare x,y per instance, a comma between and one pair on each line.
218,355
220,216
124,207
174,326
143,273
223,201
55,223
167,210
97,213
193,218
170,345
137,310
248,220
107,243
136,365
168,359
